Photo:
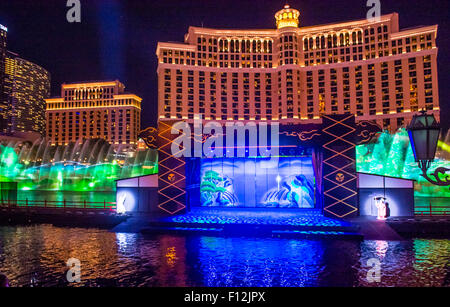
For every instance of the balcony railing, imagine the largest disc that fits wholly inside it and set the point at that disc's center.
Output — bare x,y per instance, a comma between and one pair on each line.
432,207
64,204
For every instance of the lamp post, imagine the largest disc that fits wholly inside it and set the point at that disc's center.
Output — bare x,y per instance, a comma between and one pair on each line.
423,133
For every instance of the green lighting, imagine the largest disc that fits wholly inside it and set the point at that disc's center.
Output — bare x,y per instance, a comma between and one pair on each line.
95,165
443,146
92,166
392,155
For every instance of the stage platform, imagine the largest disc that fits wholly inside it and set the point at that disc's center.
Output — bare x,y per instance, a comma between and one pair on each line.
276,222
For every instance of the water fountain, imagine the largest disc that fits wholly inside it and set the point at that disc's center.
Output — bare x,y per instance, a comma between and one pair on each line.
391,155
92,165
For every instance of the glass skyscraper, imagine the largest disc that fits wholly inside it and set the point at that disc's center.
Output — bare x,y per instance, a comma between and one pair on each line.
26,86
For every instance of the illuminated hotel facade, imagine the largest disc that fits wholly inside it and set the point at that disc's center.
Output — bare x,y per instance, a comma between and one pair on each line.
93,110
26,86
3,105
298,74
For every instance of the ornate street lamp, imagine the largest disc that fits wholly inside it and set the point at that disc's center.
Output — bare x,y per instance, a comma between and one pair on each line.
424,135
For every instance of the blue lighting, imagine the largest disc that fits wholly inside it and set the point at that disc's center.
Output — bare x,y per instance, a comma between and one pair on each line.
308,232
298,218
284,182
249,262
195,229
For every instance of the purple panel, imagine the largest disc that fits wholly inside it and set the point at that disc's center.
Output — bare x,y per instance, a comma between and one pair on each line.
366,181
128,183
396,183
150,181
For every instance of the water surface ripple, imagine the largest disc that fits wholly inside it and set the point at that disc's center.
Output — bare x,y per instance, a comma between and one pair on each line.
37,255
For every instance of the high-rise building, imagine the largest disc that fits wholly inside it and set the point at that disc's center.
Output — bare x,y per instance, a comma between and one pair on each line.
92,110
3,105
23,88
293,74
26,86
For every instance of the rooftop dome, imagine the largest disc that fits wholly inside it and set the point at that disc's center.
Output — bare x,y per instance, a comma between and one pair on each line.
287,17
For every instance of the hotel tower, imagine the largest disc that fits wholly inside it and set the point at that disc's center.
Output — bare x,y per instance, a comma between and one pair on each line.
3,97
26,86
294,74
93,110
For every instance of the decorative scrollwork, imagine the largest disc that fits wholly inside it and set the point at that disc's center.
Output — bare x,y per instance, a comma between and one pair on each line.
366,136
149,136
204,137
368,130
304,135
438,173
366,123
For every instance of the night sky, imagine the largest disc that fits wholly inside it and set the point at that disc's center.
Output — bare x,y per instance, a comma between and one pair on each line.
117,39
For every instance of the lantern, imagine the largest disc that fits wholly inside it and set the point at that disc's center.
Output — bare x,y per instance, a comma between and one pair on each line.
424,135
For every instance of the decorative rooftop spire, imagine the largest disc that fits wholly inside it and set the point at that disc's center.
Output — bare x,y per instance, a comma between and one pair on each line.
287,17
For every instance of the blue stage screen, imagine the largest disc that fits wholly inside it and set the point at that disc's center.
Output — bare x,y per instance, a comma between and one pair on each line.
285,182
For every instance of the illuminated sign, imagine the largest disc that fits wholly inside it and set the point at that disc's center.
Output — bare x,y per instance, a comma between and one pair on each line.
2,27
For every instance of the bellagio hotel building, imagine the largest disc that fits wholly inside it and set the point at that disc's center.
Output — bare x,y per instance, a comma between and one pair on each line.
93,110
294,74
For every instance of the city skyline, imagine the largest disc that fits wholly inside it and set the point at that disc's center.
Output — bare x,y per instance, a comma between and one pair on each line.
127,23
251,144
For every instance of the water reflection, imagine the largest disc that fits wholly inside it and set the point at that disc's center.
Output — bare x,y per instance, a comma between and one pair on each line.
258,262
434,267
37,255
419,262
381,248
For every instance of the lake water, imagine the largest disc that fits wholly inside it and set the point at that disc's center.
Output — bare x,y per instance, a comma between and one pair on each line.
36,256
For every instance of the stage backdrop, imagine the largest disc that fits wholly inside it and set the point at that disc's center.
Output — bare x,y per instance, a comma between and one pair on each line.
285,182
330,145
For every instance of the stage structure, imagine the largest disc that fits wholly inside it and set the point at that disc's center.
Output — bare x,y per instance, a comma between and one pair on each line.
313,166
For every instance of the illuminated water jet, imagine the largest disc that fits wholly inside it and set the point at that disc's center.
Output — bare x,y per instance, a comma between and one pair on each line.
391,155
93,165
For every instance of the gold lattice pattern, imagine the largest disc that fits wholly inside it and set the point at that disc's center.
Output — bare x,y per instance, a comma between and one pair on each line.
171,173
340,176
